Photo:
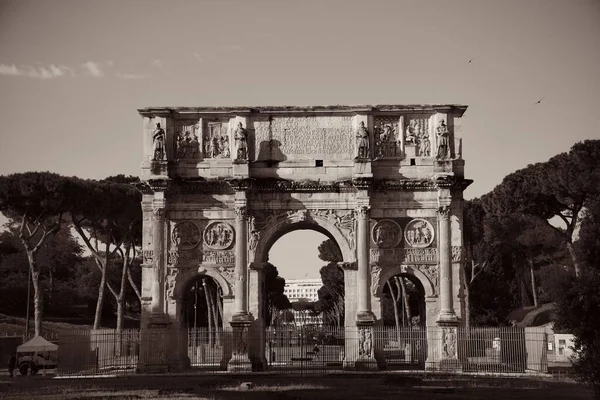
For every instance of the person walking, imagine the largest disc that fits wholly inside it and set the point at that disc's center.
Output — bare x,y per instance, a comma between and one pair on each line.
316,351
12,363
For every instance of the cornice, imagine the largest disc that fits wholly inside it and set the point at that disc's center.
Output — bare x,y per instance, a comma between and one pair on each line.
230,186
455,109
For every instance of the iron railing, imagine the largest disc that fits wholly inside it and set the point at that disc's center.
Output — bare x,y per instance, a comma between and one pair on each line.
307,349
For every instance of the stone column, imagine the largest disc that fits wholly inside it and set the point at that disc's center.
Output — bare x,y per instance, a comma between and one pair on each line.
365,319
447,333
445,266
241,262
158,228
241,319
362,255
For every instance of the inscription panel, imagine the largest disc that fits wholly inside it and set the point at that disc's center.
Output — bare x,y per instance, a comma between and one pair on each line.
305,136
218,257
395,256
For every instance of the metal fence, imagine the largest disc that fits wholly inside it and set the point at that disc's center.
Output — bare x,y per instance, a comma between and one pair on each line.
307,349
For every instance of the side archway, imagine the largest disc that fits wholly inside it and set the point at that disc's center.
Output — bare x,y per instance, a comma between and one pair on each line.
184,280
385,273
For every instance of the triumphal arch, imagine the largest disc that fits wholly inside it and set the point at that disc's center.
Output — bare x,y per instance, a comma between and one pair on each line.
222,184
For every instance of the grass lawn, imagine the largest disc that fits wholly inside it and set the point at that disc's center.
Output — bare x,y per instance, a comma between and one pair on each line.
347,387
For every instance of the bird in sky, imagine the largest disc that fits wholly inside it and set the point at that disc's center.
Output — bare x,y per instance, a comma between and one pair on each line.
540,100
470,60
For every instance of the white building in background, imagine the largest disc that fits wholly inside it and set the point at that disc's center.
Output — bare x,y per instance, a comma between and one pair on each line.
299,290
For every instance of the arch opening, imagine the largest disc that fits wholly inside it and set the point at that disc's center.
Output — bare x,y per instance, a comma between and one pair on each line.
315,295
403,302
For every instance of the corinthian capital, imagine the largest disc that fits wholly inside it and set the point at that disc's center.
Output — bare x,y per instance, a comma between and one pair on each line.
443,212
241,212
158,213
362,211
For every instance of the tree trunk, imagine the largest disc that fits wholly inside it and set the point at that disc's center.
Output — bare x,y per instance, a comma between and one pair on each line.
533,284
120,298
100,301
395,303
210,319
574,258
213,307
466,288
37,296
405,298
50,283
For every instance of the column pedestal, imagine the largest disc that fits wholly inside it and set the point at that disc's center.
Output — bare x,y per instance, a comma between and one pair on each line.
239,356
256,349
366,347
449,348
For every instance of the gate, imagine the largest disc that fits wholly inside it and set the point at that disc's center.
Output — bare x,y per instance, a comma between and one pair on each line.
304,349
403,348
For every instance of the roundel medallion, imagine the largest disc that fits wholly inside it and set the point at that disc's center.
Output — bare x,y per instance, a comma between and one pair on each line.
386,233
419,233
186,235
218,235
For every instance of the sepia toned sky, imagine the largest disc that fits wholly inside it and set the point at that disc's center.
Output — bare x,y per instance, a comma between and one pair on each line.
73,73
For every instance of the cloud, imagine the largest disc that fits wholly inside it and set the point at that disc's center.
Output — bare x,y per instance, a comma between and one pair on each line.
158,62
231,47
10,70
93,69
40,72
125,75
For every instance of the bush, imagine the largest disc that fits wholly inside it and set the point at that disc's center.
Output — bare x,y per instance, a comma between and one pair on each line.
578,310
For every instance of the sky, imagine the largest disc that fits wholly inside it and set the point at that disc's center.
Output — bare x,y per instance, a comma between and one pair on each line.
73,74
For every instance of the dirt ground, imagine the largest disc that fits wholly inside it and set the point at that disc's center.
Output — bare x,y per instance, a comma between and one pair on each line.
348,387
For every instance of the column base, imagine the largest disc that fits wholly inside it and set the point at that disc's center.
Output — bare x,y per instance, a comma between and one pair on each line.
241,169
362,168
158,320
365,318
366,364
239,363
447,318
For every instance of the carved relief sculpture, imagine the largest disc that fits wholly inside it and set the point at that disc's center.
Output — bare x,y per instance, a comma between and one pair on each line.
456,253
170,283
218,235
227,273
187,145
386,233
448,342
186,235
368,346
387,137
224,147
362,142
158,148
419,233
412,132
375,279
147,256
443,139
432,273
216,142
241,142
365,342
254,233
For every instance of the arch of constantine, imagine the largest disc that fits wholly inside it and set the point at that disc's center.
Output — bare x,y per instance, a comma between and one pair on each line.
222,184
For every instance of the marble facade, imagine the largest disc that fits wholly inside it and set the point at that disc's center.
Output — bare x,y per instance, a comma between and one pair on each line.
222,184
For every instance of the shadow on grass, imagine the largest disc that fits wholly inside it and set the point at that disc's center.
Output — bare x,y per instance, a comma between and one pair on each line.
285,387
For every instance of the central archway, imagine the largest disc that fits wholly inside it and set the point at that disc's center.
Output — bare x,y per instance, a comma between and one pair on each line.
299,343
306,220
